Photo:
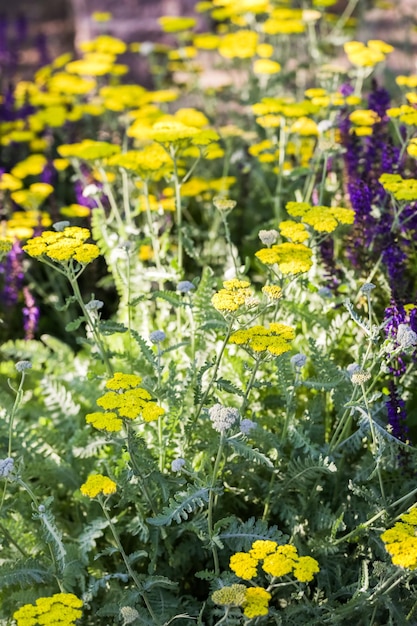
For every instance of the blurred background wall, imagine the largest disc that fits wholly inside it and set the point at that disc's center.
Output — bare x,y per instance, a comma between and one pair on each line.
33,32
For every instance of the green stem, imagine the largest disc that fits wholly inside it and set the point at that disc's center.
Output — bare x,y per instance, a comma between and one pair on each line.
229,242
123,554
126,203
350,7
113,204
216,369
177,188
281,161
153,235
72,277
374,518
211,506
374,441
51,552
249,386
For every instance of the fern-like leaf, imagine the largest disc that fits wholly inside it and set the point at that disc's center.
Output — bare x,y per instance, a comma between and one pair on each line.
181,505
252,454
24,574
145,349
241,535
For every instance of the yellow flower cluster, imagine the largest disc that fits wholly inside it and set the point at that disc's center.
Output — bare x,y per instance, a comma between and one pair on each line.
363,120
368,55
239,45
97,484
284,21
63,246
293,230
412,146
152,161
61,608
233,295
229,596
273,292
323,219
22,224
275,339
403,189
33,197
253,600
173,24
405,114
275,560
88,150
124,400
291,258
401,541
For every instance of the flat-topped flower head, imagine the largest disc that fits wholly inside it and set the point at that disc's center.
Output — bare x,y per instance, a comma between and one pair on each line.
256,602
97,484
89,150
291,258
126,400
63,246
401,541
233,295
61,608
229,596
223,418
275,340
174,24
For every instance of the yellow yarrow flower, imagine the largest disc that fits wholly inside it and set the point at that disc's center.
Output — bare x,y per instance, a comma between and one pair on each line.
266,66
97,484
364,117
233,295
101,16
272,291
124,400
401,541
275,339
88,150
281,562
262,547
243,565
63,246
229,596
241,45
174,24
105,421
305,569
294,231
256,602
62,608
291,258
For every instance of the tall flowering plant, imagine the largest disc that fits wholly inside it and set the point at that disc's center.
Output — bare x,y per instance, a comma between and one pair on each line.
207,377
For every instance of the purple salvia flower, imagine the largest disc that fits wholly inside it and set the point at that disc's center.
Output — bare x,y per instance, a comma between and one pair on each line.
13,275
30,314
397,416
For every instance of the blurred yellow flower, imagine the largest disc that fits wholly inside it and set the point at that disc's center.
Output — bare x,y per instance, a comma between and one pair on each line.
266,66
174,24
241,45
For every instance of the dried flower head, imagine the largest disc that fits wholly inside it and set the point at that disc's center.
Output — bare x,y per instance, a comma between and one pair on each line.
268,237
23,365
360,376
224,205
222,417
406,337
